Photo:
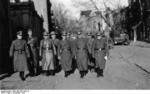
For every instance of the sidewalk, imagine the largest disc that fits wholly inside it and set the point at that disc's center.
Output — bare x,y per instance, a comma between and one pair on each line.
140,44
137,54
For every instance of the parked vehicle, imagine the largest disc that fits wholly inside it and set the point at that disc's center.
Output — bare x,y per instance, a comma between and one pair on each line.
122,39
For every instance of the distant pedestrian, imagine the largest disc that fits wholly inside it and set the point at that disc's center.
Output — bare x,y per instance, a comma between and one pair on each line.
20,53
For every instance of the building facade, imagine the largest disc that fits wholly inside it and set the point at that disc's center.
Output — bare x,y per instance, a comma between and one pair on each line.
24,16
91,21
139,10
43,8
5,65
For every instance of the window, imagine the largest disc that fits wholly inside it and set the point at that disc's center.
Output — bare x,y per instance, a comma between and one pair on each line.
12,1
16,1
24,0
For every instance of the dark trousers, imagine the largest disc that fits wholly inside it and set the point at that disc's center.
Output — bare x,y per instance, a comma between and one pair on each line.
83,73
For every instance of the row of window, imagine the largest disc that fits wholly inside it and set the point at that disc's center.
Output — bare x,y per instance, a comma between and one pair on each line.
17,1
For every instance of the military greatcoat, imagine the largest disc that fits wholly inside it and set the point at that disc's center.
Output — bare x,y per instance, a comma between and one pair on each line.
82,54
99,51
47,51
64,51
20,53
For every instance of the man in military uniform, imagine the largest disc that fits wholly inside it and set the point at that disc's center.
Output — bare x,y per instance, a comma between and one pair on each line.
33,49
65,56
73,50
56,43
19,51
81,55
100,53
47,52
90,58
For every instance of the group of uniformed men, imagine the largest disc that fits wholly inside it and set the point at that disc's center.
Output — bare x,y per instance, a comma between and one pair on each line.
70,52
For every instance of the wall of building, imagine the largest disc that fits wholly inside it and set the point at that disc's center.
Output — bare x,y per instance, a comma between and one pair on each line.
5,64
41,7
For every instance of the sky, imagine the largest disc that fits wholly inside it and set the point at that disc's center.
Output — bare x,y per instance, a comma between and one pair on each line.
75,11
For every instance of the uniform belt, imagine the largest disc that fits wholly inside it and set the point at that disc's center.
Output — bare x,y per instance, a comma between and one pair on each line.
47,48
100,49
20,51
81,48
66,49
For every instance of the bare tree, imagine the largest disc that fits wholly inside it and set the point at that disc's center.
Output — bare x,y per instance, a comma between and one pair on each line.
62,18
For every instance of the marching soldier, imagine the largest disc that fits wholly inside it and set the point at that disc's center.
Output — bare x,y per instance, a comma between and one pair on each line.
81,55
73,50
89,45
56,43
65,57
47,52
20,53
33,49
100,53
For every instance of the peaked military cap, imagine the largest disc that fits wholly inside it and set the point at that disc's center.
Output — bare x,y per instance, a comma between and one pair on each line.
64,34
53,33
45,33
79,33
20,33
99,34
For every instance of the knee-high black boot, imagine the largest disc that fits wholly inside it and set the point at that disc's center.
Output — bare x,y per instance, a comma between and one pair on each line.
66,73
85,73
52,72
22,76
99,72
81,74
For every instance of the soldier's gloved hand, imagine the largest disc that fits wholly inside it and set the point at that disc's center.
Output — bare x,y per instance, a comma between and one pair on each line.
75,57
106,58
59,57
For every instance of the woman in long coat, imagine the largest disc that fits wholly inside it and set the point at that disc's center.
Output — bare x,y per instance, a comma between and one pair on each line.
82,55
20,53
100,53
47,51
64,53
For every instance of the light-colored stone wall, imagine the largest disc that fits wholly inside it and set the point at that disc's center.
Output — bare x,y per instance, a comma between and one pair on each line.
41,7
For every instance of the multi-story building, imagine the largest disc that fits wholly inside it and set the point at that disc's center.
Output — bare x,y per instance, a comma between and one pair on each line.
43,8
24,16
91,21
